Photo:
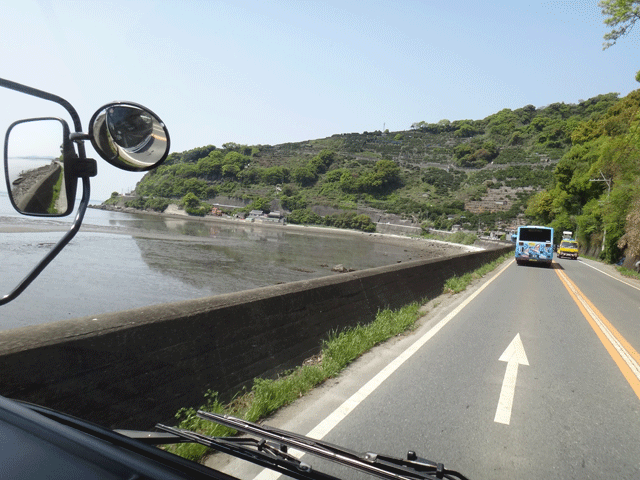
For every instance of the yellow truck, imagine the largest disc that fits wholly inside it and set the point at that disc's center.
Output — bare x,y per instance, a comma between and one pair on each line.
568,249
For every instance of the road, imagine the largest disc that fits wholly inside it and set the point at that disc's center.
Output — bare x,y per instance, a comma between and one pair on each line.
513,378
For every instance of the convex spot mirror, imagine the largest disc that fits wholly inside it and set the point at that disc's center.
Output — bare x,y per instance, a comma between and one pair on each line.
129,136
38,157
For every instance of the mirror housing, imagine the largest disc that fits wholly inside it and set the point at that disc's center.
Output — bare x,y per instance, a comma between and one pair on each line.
129,136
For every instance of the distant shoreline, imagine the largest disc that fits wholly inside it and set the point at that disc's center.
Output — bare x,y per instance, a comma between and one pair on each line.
406,240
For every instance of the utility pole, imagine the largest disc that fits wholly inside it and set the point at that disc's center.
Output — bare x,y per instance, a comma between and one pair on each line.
608,181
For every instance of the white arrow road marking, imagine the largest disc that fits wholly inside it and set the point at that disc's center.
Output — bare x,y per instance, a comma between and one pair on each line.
514,355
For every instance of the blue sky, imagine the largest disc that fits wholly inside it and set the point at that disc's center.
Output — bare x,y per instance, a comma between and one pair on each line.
257,72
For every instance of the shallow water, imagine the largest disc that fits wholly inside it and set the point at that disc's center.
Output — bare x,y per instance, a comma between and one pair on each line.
119,261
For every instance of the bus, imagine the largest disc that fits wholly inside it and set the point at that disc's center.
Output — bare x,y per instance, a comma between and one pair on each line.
534,244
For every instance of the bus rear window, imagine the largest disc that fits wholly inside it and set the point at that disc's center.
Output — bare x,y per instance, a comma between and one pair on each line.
535,235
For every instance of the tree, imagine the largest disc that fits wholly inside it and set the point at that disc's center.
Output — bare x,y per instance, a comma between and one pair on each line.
348,182
230,170
193,205
540,207
275,175
386,173
304,216
467,129
190,200
323,160
304,175
621,16
197,187
210,165
260,203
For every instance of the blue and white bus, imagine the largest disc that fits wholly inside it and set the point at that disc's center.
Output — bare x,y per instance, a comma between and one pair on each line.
534,244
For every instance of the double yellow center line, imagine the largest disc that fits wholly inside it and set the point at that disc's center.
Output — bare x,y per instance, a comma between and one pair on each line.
626,357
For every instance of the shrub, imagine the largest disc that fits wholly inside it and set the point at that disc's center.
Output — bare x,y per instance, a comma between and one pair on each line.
193,205
157,204
350,220
304,216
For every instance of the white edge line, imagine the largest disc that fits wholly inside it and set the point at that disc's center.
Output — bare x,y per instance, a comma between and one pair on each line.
624,354
326,425
608,275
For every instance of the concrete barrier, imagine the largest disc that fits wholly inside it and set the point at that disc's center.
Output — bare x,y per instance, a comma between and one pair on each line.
134,368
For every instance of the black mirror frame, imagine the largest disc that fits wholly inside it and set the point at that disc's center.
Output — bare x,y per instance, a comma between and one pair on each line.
86,192
68,158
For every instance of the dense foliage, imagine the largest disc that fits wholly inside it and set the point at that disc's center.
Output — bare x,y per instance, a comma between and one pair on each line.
596,185
439,174
337,220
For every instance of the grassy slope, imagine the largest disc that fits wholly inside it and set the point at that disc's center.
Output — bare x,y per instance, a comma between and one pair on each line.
478,173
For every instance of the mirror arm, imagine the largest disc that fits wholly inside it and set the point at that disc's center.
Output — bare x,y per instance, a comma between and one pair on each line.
26,281
46,96
77,124
83,167
79,136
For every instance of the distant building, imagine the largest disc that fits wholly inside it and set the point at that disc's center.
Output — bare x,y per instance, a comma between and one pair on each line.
259,216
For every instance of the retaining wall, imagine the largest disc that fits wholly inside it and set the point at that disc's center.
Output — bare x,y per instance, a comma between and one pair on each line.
135,368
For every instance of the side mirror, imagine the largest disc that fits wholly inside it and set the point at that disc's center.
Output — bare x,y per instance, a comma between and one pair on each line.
42,167
37,164
129,136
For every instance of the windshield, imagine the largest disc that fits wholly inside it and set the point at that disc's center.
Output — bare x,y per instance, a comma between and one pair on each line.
356,237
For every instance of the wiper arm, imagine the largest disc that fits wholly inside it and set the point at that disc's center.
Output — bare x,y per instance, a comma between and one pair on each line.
259,452
277,458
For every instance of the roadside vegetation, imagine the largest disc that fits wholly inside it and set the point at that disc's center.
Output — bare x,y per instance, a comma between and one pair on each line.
55,197
338,351
267,395
596,185
458,284
628,273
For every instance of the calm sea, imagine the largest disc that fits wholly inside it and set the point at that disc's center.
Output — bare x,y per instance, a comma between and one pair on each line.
119,261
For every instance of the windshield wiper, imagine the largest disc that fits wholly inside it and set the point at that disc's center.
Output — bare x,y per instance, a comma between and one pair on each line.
268,447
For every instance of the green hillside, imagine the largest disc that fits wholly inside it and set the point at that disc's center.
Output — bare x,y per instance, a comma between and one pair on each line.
475,173
595,189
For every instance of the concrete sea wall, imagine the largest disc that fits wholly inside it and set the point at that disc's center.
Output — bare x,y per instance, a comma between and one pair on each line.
135,368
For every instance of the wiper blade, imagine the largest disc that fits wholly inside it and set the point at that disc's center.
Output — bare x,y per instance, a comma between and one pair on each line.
259,452
382,466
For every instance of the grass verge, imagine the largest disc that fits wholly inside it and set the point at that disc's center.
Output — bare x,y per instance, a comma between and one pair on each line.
458,284
338,351
622,270
628,273
267,395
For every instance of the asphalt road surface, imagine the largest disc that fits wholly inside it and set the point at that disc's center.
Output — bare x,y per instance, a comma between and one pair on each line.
531,373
